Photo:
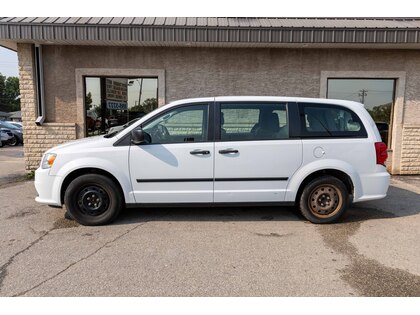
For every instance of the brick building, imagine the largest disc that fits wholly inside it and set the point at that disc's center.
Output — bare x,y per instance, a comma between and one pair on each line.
81,76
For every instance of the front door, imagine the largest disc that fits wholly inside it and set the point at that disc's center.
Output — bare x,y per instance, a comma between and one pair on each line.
255,158
177,166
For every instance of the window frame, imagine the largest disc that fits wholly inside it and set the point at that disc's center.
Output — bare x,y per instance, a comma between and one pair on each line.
304,134
291,116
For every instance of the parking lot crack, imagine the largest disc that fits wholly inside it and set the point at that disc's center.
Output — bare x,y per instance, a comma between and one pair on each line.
80,260
3,268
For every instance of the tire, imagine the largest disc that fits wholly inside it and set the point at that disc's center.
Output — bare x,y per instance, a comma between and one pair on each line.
13,142
93,199
324,200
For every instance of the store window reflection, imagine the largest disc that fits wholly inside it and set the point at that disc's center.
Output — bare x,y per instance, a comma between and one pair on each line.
112,102
376,94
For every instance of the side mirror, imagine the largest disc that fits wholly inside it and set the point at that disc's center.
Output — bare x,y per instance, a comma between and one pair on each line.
139,136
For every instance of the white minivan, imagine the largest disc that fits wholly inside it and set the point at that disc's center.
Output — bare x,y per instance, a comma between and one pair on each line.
317,154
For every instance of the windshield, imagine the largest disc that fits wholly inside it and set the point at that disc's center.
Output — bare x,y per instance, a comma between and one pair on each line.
4,124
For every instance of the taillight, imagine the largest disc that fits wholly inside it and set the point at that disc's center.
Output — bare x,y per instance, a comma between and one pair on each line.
381,153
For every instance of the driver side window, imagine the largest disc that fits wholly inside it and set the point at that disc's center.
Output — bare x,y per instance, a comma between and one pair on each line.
183,124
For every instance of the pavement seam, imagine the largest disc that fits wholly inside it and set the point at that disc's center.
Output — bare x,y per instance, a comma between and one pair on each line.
78,261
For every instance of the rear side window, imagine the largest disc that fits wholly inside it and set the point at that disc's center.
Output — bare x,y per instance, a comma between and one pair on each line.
244,121
325,120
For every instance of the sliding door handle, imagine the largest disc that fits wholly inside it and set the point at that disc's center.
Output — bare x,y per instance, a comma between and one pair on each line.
200,152
228,151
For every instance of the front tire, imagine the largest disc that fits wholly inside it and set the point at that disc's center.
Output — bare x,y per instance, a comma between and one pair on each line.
93,199
13,142
324,200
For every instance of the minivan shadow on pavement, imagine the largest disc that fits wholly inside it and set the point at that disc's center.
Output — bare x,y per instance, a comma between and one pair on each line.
359,212
220,214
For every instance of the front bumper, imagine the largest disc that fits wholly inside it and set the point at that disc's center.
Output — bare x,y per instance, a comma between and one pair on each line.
47,187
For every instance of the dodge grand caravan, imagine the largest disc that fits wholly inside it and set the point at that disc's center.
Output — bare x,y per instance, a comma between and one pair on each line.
317,154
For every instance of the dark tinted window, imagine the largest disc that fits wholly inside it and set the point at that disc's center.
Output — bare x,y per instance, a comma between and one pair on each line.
323,120
253,122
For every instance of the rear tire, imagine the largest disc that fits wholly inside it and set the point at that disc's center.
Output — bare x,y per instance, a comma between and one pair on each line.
93,199
324,200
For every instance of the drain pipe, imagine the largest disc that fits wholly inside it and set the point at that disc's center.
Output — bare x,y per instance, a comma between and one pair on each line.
39,77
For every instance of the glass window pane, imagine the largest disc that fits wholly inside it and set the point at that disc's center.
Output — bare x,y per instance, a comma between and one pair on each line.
112,102
186,124
253,122
330,121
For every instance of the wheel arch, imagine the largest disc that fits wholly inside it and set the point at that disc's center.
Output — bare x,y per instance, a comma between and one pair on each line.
342,176
83,171
339,169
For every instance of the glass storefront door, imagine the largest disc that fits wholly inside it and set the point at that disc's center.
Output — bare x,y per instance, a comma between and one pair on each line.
111,102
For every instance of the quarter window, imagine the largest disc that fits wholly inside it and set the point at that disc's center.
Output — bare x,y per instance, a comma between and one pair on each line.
253,122
324,120
185,124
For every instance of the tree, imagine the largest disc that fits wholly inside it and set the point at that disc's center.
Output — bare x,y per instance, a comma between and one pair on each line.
381,113
149,104
88,101
9,94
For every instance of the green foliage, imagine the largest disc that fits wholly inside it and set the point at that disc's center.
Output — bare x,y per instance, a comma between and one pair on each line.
88,101
146,107
9,92
30,175
381,113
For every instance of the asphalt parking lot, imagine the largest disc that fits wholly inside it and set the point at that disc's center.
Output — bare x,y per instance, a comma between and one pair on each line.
373,251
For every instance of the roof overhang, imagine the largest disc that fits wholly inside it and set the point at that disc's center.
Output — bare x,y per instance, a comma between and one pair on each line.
327,33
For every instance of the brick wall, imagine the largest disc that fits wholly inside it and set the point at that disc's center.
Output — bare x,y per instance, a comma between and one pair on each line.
410,157
37,139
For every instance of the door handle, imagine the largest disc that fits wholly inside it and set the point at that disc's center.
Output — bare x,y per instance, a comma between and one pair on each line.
228,151
200,152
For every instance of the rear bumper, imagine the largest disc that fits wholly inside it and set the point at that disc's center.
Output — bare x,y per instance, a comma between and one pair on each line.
47,187
374,186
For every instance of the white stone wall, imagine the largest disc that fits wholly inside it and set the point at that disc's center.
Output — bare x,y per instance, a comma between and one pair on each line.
410,157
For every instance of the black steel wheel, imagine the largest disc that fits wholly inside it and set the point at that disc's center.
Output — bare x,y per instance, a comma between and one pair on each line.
324,200
93,199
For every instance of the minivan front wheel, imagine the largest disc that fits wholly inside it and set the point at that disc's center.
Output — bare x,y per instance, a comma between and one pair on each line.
93,199
324,200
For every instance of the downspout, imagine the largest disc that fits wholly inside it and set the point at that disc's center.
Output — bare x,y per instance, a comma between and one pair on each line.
39,77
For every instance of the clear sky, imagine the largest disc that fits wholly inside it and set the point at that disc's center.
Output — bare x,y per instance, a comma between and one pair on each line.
8,62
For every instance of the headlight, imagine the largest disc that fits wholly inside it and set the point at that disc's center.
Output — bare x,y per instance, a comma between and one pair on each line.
48,160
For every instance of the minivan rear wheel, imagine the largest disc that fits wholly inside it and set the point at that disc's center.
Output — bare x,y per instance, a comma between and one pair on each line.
93,199
324,200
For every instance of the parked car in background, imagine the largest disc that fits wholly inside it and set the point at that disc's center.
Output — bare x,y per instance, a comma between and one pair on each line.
15,123
17,133
317,154
6,136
